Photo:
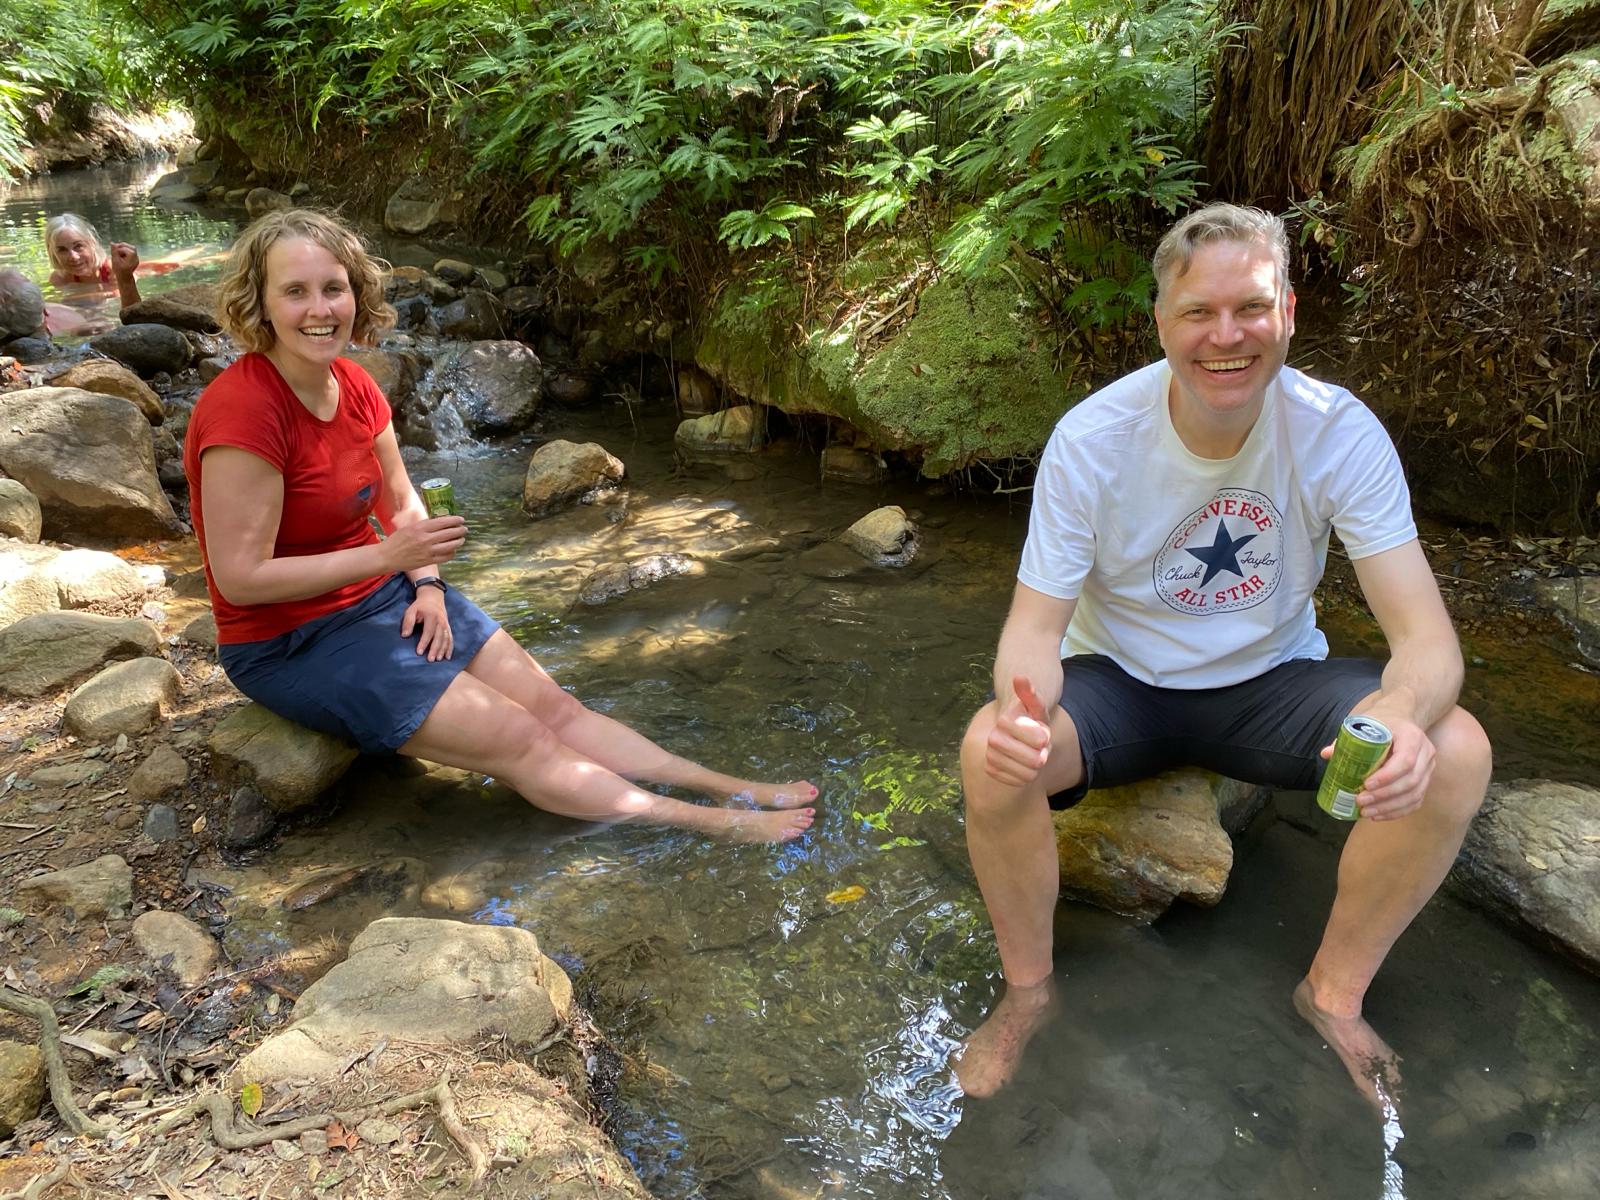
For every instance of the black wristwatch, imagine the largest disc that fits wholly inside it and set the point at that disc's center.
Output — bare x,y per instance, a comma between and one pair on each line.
429,581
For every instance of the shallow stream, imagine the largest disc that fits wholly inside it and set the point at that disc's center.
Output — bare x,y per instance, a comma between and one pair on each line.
782,1039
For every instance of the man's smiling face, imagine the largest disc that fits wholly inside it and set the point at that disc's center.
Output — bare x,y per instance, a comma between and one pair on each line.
1225,325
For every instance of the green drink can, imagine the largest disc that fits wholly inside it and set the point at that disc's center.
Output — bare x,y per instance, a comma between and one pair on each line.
1358,751
440,497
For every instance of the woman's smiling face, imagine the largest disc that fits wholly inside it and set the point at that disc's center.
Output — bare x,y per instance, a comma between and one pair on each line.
75,252
308,302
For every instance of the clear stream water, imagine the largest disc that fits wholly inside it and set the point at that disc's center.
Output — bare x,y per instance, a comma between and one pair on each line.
780,1044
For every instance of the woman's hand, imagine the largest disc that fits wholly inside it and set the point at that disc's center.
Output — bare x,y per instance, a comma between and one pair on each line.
124,259
427,611
425,543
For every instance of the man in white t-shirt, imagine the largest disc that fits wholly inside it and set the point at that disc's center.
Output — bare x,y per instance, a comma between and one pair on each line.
1163,617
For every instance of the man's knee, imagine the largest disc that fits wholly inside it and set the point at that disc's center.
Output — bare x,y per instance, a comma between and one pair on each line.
1463,763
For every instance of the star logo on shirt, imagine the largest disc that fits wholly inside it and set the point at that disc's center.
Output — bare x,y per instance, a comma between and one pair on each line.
1222,554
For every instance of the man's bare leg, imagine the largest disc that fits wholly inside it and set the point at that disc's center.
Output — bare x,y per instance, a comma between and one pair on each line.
1012,844
1387,872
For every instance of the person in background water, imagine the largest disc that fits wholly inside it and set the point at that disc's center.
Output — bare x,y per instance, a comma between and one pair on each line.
1179,527
288,453
77,258
24,312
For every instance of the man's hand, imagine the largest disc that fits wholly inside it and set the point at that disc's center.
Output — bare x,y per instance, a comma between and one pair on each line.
1019,743
124,258
427,610
1397,787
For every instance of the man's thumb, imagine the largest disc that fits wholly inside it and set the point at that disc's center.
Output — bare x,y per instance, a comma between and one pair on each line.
1029,699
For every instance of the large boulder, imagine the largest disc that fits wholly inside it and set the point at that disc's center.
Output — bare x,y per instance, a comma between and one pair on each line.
288,764
416,207
615,580
1533,856
48,651
1136,849
561,473
102,888
148,349
129,697
89,460
113,379
417,980
26,585
95,579
495,385
259,201
20,514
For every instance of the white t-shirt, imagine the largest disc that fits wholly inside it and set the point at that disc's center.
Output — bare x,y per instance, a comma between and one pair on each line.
1193,572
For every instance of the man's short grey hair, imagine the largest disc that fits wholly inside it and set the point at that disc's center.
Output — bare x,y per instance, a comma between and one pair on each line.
21,305
1220,223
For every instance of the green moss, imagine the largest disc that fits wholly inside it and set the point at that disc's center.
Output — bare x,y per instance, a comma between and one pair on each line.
968,378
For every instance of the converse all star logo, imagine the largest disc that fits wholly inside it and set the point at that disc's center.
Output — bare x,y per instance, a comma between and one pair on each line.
1224,556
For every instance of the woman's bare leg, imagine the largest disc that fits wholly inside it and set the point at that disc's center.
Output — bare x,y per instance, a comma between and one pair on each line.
512,671
475,727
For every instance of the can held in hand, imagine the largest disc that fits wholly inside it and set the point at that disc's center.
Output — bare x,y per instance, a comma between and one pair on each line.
1358,751
440,497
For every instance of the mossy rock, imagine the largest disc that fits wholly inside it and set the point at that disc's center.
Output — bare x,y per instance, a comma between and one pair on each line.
966,379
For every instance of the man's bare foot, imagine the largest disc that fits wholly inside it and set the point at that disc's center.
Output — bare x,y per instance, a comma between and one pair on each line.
990,1057
774,795
761,826
1373,1065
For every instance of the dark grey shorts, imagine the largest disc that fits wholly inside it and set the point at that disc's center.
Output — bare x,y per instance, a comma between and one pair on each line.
1268,730
350,673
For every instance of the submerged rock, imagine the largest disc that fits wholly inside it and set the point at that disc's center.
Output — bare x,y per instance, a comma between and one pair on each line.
850,465
618,579
885,536
1533,855
1136,849
561,473
166,310
1577,600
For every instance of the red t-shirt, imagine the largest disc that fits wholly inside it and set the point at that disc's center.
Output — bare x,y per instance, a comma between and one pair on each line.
331,479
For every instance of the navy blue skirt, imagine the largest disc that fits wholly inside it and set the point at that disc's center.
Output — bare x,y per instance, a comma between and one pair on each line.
350,673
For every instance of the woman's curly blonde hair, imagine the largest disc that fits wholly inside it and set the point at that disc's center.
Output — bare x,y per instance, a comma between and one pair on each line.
240,306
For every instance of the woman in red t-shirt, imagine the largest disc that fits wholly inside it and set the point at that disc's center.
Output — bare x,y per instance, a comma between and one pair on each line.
288,453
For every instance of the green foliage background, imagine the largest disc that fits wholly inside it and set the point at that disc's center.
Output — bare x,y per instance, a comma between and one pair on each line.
1056,130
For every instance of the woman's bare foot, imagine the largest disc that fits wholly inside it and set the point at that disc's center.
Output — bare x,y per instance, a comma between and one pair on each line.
1373,1065
761,826
990,1057
773,795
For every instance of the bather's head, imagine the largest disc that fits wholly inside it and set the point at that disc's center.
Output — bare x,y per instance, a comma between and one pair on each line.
242,300
73,246
21,305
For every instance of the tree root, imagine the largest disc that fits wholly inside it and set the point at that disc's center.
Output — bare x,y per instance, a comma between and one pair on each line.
73,1117
40,1185
220,1109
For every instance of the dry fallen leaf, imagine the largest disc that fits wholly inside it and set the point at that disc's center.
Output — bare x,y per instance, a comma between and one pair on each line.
1537,863
846,895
